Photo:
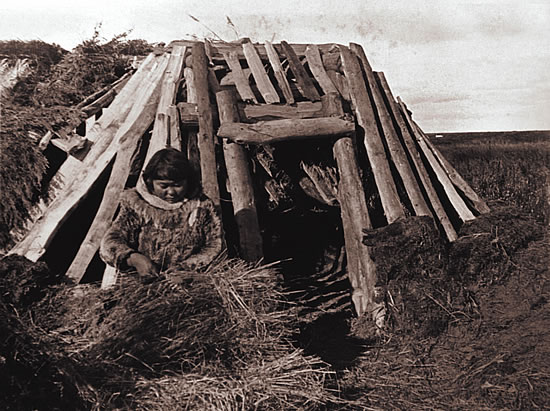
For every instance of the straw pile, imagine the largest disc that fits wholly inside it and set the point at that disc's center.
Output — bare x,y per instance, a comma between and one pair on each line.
220,339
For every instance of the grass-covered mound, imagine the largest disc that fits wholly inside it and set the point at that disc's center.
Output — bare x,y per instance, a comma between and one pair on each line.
220,339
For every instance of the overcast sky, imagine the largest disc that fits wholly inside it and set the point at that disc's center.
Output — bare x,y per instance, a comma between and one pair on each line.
460,65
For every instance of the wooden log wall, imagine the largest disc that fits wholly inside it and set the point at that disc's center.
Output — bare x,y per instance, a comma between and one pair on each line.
284,94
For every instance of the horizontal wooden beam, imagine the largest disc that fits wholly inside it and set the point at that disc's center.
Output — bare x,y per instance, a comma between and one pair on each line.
268,132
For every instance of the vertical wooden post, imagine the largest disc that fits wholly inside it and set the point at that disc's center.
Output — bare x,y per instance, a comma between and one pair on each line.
240,180
373,140
355,218
433,198
205,138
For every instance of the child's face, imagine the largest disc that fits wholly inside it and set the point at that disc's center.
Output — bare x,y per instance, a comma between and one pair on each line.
170,190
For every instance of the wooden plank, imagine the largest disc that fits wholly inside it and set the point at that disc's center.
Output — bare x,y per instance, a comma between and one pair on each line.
279,72
268,132
477,202
373,140
205,137
305,84
239,78
39,237
318,70
263,83
458,203
395,148
109,277
170,81
174,128
355,216
138,121
418,164
240,180
301,109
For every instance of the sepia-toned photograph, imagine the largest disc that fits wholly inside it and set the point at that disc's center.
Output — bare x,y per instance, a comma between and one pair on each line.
253,205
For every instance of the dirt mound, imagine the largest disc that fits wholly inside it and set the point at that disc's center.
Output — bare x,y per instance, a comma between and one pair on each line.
490,313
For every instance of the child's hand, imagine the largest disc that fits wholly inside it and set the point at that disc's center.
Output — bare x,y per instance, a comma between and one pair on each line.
143,265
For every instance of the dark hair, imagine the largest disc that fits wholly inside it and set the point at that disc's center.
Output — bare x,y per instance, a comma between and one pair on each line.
171,164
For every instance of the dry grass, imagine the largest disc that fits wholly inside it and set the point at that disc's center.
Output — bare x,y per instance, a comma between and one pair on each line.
221,342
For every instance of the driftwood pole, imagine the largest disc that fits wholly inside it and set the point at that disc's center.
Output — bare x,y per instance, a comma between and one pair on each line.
458,203
279,72
239,77
355,218
423,175
205,137
395,148
476,201
302,78
373,140
260,76
240,181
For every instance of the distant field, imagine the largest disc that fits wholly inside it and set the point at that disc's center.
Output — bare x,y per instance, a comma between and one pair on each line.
511,166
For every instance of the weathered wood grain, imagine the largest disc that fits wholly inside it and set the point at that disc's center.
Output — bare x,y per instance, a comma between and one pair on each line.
305,84
239,78
464,213
317,68
263,83
205,137
373,140
396,151
280,75
268,132
425,181
241,185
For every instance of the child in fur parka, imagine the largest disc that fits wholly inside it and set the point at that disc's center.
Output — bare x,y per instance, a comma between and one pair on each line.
165,223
